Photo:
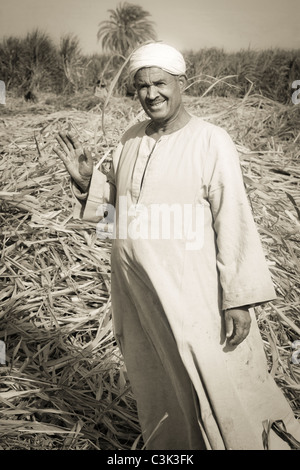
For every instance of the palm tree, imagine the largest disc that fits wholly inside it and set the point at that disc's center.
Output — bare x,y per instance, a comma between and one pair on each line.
128,27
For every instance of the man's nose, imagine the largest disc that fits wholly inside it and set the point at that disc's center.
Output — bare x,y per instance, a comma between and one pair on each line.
152,92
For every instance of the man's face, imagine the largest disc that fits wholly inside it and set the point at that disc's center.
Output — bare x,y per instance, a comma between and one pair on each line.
159,93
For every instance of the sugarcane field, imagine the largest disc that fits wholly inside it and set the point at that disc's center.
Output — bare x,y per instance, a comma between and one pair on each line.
63,380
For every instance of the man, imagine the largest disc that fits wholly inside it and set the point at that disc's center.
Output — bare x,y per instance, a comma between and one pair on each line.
181,299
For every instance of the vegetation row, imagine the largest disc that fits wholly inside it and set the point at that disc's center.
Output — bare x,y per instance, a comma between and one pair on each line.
36,64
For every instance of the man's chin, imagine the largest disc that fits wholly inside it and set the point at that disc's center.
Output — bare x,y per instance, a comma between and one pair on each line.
157,116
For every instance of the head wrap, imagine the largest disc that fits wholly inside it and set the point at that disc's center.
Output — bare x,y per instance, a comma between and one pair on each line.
157,55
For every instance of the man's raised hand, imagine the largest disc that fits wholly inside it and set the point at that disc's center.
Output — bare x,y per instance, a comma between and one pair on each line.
77,160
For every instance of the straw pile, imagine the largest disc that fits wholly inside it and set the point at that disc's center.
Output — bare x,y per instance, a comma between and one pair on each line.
63,385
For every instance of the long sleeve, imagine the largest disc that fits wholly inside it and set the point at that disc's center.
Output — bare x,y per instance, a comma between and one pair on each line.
91,206
244,275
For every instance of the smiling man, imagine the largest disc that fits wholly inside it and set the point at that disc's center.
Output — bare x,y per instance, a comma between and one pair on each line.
182,317
160,95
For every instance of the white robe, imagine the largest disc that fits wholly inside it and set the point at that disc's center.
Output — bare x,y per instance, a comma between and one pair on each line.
169,293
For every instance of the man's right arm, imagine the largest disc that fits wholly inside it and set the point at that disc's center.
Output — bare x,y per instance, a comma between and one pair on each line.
92,189
90,206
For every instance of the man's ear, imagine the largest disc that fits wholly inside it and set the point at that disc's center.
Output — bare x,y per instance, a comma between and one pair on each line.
182,80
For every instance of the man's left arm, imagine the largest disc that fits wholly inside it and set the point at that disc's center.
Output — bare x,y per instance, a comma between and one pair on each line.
243,271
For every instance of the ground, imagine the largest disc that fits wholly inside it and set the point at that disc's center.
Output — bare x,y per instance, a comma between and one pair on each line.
63,384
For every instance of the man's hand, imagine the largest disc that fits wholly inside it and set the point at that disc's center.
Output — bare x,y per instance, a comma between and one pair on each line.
237,325
77,160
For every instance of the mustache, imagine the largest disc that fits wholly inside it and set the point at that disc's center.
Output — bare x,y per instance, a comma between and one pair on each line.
155,101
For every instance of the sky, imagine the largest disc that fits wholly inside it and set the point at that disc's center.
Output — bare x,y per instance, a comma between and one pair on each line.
186,24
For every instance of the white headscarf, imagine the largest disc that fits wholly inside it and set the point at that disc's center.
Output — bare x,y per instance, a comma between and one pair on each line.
157,55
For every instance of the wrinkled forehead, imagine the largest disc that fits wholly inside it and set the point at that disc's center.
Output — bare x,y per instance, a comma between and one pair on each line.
152,74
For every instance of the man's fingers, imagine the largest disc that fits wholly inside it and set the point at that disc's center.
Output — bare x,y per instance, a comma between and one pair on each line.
237,324
228,326
73,140
60,154
61,140
63,156
68,142
238,336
